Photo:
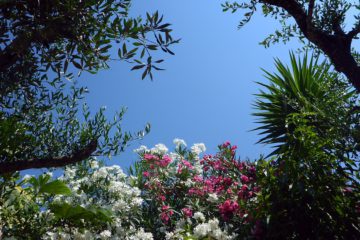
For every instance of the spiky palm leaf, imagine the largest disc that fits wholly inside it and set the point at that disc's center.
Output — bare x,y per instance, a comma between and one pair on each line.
306,87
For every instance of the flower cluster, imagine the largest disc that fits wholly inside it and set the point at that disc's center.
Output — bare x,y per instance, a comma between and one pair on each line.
106,187
198,228
184,194
178,184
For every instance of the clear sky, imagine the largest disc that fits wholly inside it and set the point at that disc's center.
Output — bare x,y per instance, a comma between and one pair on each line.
207,91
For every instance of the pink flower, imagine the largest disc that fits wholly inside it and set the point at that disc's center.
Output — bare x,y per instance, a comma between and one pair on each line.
195,191
244,187
150,157
146,174
197,178
228,208
244,179
166,160
166,214
179,170
187,164
227,181
217,165
165,207
226,144
187,212
164,217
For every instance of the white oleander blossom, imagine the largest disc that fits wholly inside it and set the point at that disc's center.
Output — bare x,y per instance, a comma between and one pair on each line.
159,149
199,216
94,163
200,230
198,148
106,234
213,197
179,142
141,149
141,235
211,229
109,188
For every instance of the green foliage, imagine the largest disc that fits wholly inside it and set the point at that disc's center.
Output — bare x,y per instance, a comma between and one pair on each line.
319,25
44,44
77,215
34,206
327,15
310,188
48,124
307,88
53,35
306,194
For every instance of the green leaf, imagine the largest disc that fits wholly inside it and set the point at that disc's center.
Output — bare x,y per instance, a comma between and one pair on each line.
138,67
55,187
77,65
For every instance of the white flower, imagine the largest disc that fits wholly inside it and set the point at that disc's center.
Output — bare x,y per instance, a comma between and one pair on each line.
199,216
106,234
179,142
202,230
188,182
50,174
198,168
160,149
214,224
100,173
94,164
64,236
180,224
174,156
218,234
69,173
50,235
198,148
169,235
137,201
212,197
141,235
141,149
27,177
120,205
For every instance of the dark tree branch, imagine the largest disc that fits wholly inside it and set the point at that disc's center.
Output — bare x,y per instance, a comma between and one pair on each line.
15,50
52,31
355,31
310,11
86,152
336,46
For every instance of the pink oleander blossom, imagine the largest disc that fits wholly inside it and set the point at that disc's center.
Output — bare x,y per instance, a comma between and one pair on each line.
187,164
228,209
197,178
165,161
244,179
187,212
148,157
166,214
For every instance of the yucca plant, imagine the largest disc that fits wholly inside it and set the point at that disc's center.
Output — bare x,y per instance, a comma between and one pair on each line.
310,188
304,87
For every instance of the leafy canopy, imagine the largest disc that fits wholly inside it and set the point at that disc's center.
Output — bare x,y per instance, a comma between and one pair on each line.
321,24
42,45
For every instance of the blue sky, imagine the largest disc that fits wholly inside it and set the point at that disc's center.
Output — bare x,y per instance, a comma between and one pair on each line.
206,93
